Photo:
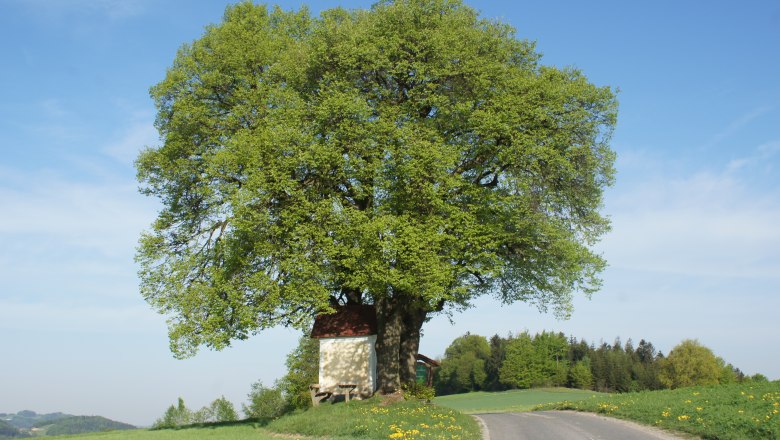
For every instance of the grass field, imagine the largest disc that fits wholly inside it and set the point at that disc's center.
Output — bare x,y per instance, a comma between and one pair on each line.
369,419
372,419
511,401
245,431
723,412
727,412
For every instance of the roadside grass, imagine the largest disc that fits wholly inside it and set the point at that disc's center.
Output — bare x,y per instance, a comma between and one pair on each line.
238,431
511,401
367,419
373,419
722,412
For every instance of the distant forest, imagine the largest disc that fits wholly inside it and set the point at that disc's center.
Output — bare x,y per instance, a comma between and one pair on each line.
474,363
26,424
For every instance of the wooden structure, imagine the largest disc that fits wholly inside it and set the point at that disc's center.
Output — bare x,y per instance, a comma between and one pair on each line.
424,368
347,353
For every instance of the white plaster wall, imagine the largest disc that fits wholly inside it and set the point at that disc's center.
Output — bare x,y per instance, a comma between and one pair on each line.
348,360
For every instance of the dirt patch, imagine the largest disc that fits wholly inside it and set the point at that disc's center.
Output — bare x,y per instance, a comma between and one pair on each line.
389,399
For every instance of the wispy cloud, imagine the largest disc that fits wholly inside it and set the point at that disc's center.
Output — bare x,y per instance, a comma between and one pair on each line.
708,223
760,158
738,124
69,237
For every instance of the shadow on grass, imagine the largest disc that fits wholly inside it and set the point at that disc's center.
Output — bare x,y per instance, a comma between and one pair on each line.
255,423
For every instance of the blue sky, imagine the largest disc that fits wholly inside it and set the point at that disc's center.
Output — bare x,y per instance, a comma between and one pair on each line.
694,251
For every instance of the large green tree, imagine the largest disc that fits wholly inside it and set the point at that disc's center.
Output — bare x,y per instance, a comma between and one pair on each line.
689,364
412,156
463,367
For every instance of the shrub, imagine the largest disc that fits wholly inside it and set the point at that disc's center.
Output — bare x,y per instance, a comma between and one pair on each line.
265,403
303,369
689,364
418,391
580,375
222,410
174,416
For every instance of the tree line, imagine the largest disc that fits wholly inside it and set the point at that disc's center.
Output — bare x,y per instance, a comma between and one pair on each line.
474,363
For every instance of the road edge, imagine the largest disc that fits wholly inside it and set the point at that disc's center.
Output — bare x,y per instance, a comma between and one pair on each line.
482,426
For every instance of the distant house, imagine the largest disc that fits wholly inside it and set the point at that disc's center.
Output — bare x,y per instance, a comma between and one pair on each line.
347,351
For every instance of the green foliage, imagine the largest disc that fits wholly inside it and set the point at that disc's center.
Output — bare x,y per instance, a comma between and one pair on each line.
303,366
580,375
494,362
220,410
223,410
175,416
519,369
758,377
265,403
741,411
413,151
463,366
535,361
549,359
689,364
612,368
419,391
551,351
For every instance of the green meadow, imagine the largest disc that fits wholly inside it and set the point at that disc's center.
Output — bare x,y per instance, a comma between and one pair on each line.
743,411
723,412
510,401
369,419
244,431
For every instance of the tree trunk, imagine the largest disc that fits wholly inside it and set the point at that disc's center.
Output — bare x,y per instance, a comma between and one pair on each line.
388,343
412,320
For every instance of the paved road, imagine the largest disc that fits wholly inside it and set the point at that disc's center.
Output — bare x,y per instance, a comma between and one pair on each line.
565,425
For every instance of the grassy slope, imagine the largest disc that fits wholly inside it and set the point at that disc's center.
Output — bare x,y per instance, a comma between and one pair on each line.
368,419
244,431
510,401
247,431
372,419
724,412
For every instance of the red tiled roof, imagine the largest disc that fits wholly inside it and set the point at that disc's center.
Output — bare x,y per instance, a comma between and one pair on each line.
350,320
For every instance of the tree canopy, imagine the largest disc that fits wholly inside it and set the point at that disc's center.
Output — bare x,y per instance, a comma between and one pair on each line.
690,363
412,156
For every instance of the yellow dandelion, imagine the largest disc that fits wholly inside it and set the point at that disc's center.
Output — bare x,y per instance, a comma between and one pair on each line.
683,417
